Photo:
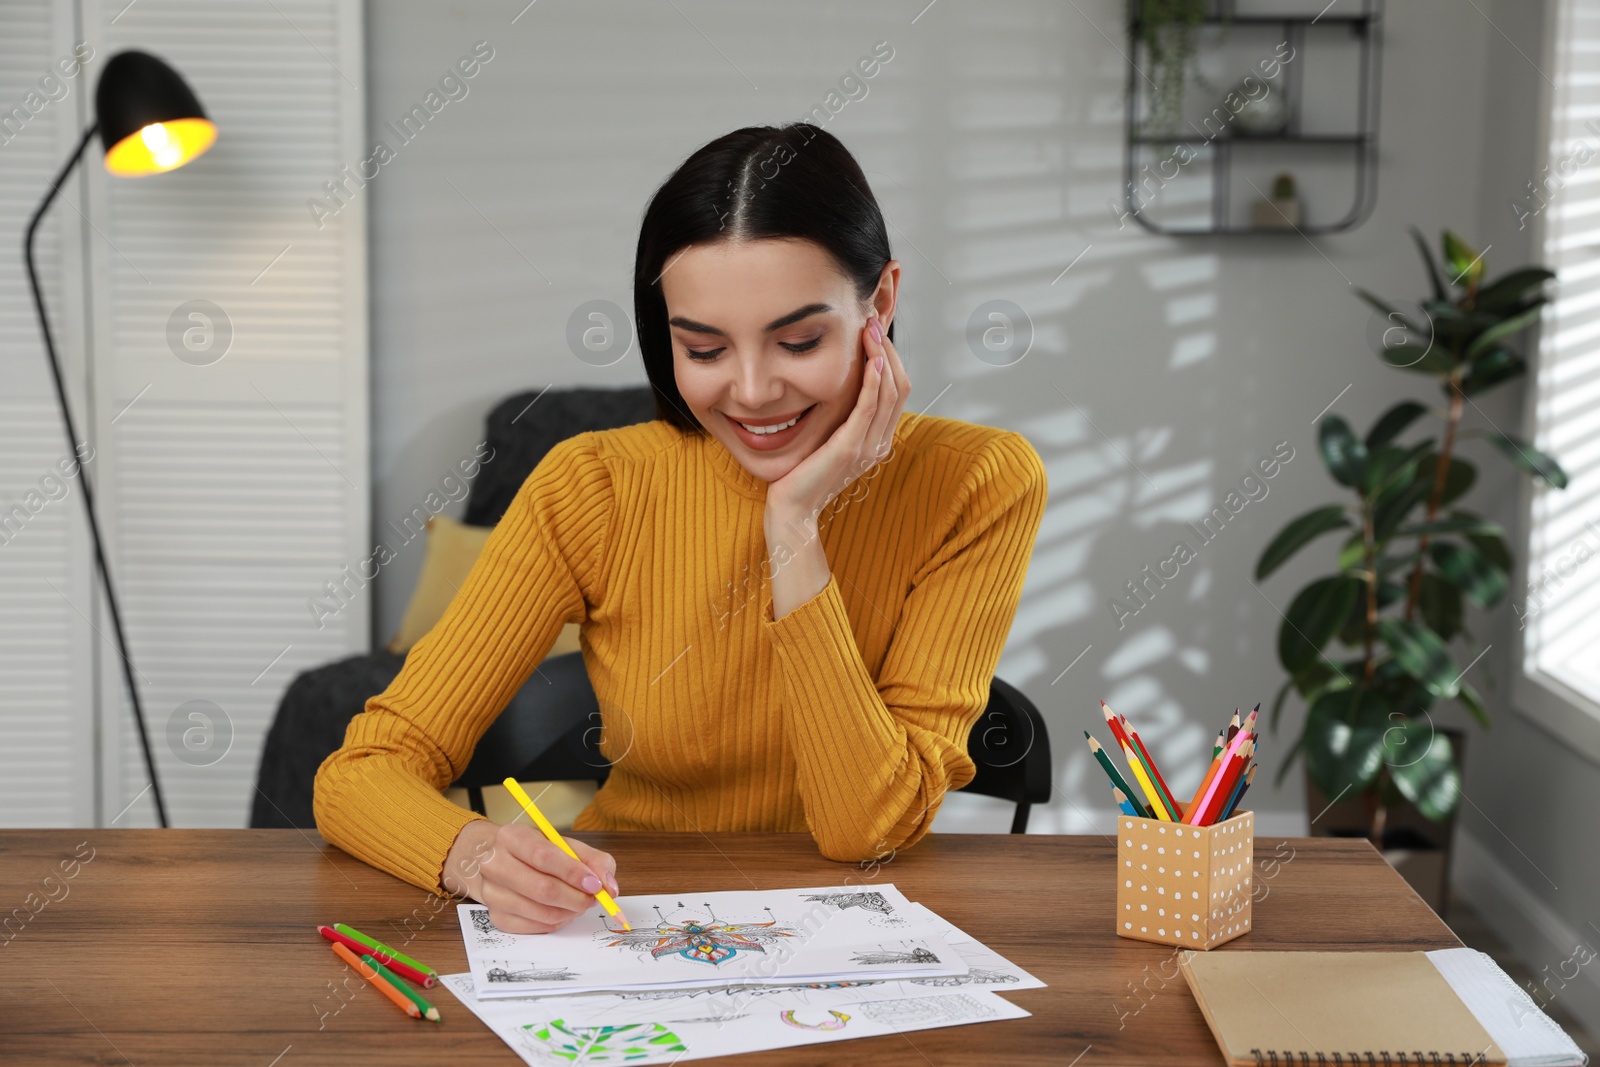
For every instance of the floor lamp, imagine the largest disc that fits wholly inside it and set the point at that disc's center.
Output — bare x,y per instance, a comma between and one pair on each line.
149,122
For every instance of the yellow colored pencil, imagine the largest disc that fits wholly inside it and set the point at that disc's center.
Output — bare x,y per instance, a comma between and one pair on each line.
1144,783
515,789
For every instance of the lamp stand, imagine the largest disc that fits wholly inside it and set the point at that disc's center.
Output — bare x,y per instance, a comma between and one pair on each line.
88,495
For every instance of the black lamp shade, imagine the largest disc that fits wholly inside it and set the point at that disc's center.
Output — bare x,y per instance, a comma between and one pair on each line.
150,120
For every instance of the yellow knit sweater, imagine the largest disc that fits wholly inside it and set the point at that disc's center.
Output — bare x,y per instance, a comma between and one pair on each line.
848,717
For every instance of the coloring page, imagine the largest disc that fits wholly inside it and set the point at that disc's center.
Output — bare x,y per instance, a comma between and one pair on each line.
539,1030
987,971
733,938
986,967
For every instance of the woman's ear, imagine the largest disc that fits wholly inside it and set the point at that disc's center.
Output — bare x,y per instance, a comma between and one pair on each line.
886,296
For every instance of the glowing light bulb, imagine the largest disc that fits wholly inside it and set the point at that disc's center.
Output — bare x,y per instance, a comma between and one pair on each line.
165,150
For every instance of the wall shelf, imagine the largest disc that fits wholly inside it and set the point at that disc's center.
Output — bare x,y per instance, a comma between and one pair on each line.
1303,33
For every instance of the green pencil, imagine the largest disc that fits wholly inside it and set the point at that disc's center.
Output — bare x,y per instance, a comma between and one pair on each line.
429,1012
1116,778
356,935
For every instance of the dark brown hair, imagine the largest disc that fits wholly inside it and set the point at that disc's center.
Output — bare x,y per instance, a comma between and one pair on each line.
796,181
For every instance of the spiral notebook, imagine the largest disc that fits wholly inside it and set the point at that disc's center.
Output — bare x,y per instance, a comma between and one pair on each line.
1384,1008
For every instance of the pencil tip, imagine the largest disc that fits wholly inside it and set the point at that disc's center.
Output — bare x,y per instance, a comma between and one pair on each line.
433,1015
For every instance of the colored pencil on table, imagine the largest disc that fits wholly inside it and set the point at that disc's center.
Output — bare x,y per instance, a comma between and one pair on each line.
1124,802
426,980
401,1001
1116,778
369,944
429,1012
1130,739
516,790
1238,794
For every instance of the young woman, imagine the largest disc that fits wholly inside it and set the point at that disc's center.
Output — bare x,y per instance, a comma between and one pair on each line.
792,594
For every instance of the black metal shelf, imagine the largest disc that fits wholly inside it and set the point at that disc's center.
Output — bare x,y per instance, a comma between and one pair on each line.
1272,138
1284,20
1363,142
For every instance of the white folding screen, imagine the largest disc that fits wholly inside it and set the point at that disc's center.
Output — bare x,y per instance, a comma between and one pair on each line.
47,738
228,398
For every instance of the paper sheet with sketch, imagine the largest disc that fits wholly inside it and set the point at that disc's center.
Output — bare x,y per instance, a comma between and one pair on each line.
545,1030
732,938
986,970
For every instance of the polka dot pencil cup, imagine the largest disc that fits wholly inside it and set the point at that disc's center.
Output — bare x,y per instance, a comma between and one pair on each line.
1184,885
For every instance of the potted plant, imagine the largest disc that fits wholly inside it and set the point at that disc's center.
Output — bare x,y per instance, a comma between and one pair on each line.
1167,29
1280,211
1369,646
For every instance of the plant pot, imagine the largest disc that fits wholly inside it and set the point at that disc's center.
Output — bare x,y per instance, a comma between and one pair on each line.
1275,213
1418,848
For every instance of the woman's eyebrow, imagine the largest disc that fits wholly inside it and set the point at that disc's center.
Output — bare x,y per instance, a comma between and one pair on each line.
776,324
796,316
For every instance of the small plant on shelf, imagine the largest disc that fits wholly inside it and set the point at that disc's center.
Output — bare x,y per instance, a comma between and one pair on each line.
1414,560
1167,29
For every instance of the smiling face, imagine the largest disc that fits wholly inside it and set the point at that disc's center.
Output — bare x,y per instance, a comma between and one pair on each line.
763,332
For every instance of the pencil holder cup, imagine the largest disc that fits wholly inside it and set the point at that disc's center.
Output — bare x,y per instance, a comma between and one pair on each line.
1184,885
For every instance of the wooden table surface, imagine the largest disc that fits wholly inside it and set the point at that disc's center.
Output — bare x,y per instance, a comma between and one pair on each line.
198,947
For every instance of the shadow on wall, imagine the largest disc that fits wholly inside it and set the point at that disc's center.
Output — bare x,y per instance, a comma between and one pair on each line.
1099,341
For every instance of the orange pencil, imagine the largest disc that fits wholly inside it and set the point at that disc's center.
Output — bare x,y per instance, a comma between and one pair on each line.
1192,808
401,1001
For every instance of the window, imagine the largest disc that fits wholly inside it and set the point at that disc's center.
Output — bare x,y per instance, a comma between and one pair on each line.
1559,613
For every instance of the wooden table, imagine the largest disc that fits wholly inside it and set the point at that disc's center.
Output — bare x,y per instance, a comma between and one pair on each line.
198,947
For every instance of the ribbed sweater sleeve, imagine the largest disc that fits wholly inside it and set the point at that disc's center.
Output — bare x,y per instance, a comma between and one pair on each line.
379,797
874,758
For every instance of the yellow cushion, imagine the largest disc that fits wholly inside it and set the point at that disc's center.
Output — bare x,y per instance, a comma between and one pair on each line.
453,547
560,801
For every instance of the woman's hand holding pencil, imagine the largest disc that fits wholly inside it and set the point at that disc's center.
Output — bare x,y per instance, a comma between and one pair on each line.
530,885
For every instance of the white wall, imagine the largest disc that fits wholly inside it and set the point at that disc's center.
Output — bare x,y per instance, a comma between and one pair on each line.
993,140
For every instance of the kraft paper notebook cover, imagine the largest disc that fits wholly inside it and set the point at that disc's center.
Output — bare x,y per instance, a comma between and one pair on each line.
1277,1007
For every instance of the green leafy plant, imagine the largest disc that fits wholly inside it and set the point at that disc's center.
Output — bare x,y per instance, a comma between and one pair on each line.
1414,560
1167,29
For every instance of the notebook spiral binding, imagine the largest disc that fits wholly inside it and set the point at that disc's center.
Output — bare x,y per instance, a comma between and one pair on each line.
1288,1058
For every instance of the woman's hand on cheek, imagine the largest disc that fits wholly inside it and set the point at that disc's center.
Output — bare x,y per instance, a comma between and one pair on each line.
861,442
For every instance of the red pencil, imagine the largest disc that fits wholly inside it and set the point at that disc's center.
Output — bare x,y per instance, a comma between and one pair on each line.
1116,727
1155,772
426,981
